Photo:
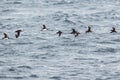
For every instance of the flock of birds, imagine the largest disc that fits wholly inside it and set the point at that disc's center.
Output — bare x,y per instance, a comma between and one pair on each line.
16,35
74,32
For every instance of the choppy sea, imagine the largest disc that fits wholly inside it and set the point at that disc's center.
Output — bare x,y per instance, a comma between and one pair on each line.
42,55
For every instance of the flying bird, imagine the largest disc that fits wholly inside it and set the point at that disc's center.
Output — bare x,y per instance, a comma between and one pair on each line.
44,27
5,36
113,30
18,33
59,33
73,31
89,29
76,34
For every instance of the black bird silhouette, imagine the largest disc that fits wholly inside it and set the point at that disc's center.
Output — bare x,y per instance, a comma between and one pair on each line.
89,29
76,34
18,33
113,30
59,33
44,27
73,31
5,36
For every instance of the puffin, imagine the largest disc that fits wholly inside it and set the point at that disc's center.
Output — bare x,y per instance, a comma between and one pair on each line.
44,27
59,33
89,29
18,33
113,30
5,36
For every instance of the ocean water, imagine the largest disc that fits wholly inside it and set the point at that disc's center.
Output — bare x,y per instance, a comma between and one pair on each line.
42,55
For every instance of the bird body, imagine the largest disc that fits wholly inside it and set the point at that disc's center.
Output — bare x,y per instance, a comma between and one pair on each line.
5,36
59,33
18,33
113,30
44,28
89,29
73,31
76,34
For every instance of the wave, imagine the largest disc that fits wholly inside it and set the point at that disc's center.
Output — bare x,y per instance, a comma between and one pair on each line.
106,50
24,67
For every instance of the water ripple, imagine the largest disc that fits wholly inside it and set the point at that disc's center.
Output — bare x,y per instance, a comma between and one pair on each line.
27,67
106,50
34,76
56,78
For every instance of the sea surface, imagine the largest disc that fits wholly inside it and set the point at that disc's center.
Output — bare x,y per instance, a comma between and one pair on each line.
42,55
